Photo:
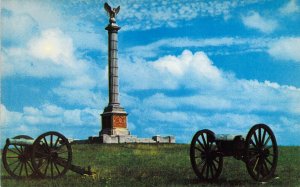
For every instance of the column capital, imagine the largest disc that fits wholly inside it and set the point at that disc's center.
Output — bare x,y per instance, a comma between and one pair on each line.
112,27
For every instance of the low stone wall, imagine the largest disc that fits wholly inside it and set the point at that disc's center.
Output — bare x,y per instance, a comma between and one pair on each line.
165,139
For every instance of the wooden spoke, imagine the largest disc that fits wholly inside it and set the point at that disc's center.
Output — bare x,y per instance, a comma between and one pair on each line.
259,167
263,138
203,169
61,145
46,143
215,167
211,171
29,164
13,162
12,157
259,137
202,162
253,157
199,149
56,168
48,161
204,142
21,147
255,165
267,141
20,173
255,138
266,167
14,152
207,171
57,140
268,161
51,169
268,147
41,153
216,160
210,144
16,167
253,150
18,149
200,144
252,142
51,140
26,171
67,152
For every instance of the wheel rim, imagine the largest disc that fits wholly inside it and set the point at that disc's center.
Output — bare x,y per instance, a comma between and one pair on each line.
16,159
206,162
52,155
262,152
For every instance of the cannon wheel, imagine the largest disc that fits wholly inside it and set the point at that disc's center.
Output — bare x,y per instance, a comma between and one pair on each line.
206,162
16,159
51,155
261,152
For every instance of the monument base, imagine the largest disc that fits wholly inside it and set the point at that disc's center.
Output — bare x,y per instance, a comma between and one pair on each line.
114,121
115,131
114,139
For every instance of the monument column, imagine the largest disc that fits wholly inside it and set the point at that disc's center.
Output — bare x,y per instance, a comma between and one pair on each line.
114,117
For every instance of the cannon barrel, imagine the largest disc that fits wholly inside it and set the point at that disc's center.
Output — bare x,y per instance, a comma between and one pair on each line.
21,141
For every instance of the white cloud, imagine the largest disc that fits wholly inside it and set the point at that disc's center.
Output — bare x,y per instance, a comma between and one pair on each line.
149,15
196,102
256,21
17,29
48,55
7,117
221,102
44,13
23,20
187,70
53,44
216,89
82,97
34,121
197,65
52,55
286,49
245,44
212,89
290,7
49,115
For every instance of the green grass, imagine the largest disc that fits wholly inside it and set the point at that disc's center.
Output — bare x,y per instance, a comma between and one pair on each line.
157,165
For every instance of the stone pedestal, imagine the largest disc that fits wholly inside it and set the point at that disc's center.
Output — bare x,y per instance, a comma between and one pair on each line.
114,124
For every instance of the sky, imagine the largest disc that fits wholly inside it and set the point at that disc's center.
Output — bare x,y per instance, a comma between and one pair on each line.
183,66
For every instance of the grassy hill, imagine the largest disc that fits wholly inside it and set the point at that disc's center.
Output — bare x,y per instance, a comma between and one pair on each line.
157,165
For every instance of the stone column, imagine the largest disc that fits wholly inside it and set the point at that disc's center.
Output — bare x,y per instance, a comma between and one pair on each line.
113,64
114,117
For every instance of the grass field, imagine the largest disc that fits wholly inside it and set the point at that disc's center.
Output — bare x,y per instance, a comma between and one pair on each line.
157,165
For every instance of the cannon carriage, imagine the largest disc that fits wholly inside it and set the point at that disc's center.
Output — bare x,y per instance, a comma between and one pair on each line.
48,156
258,150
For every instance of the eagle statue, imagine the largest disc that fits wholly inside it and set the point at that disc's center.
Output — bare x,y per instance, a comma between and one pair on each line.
112,12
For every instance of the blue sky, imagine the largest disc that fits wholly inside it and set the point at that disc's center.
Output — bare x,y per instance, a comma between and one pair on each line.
184,66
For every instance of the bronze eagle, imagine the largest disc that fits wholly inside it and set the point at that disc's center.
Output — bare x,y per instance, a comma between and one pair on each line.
112,12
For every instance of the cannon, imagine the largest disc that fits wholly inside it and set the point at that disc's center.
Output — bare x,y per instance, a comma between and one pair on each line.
258,150
48,156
